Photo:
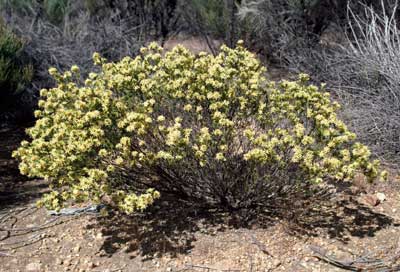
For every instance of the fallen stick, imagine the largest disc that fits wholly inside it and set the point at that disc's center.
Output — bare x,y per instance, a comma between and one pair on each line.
260,246
35,228
92,209
360,264
2,254
321,255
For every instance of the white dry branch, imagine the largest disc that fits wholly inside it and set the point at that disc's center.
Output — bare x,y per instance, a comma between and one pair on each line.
369,83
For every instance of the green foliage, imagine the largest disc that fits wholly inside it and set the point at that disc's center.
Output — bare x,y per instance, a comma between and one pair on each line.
14,74
209,130
92,5
56,9
19,5
212,15
301,4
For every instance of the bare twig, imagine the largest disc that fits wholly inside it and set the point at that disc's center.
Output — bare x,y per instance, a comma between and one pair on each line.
31,240
260,246
40,227
37,236
112,270
363,263
2,254
208,269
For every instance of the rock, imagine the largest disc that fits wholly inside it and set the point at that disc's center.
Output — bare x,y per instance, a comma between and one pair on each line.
381,197
354,190
77,249
92,265
67,262
34,267
372,200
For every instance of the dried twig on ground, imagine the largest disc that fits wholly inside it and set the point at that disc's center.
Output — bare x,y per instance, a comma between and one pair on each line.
260,246
2,254
363,263
38,231
207,268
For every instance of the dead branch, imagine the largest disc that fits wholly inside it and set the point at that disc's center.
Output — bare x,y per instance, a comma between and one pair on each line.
2,254
35,228
260,246
207,268
363,263
37,236
32,240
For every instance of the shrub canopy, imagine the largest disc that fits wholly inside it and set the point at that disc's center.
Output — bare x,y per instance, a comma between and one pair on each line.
211,130
15,74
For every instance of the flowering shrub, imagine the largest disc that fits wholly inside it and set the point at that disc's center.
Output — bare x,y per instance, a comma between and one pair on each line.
210,130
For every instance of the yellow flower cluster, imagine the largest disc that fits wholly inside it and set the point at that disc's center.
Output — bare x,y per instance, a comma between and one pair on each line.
141,119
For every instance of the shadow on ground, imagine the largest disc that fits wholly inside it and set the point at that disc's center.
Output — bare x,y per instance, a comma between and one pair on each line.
166,227
171,227
15,189
339,219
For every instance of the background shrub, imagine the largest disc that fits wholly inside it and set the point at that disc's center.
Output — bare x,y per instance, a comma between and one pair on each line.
368,80
208,130
363,73
15,72
62,33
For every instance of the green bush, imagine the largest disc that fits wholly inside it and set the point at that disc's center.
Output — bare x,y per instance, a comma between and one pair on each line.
55,10
209,130
213,16
19,5
14,73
